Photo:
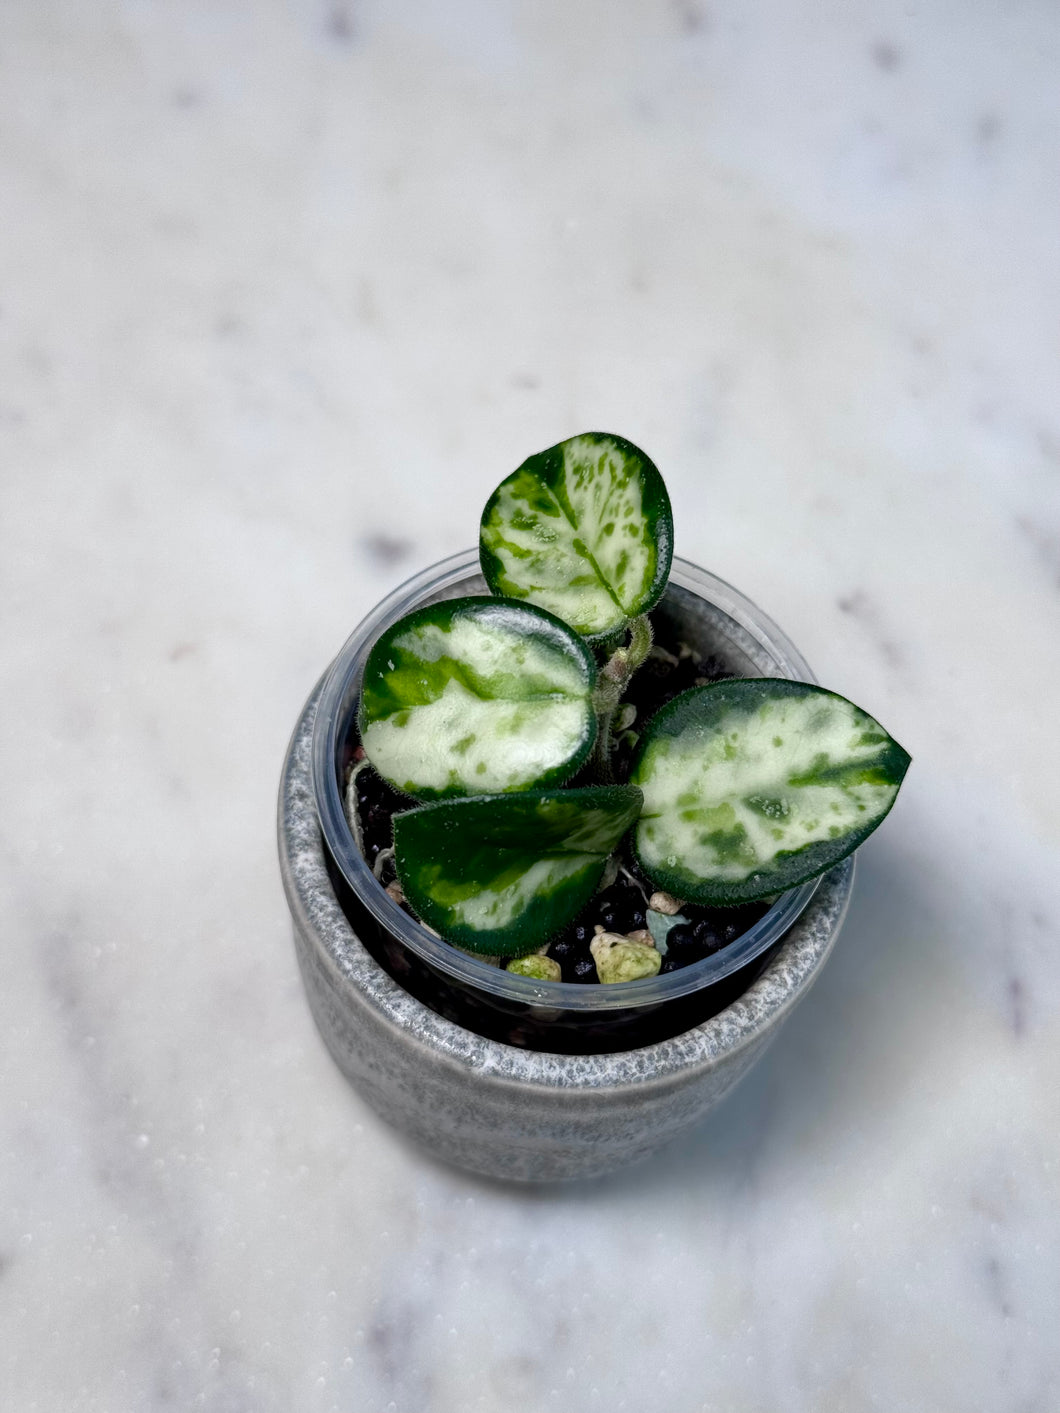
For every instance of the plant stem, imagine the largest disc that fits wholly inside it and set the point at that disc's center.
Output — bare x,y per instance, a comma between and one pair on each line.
624,871
640,639
353,814
614,678
384,857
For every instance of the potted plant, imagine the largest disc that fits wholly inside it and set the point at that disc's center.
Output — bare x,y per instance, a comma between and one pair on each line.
747,793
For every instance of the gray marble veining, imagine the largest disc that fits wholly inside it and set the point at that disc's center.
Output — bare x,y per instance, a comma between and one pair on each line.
284,291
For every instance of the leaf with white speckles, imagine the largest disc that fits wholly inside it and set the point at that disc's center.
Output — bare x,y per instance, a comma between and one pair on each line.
477,696
584,530
752,786
502,874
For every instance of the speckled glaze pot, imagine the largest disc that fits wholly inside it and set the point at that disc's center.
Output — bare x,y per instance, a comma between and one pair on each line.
509,1112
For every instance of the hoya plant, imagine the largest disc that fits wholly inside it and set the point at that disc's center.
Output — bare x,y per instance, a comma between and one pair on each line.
493,716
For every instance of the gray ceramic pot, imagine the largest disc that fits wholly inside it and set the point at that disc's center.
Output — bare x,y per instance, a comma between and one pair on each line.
490,1106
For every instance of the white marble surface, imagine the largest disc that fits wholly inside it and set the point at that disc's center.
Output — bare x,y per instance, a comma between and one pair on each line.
286,288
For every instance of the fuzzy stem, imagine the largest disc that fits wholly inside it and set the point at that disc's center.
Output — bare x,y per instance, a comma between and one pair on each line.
624,871
353,814
640,637
384,857
614,678
602,768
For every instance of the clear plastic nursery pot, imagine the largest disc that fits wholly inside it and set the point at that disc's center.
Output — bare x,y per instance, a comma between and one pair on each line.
442,1042
557,1016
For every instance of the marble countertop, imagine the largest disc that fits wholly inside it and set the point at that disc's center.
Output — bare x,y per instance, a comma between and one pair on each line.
285,289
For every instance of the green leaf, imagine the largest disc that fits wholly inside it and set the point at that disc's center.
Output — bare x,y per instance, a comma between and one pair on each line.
583,529
477,696
501,875
753,786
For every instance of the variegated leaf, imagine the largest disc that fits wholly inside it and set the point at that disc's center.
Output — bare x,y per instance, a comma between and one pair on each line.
583,529
477,696
753,786
500,875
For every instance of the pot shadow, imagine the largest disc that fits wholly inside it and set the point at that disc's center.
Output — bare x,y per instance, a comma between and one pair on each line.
854,1045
